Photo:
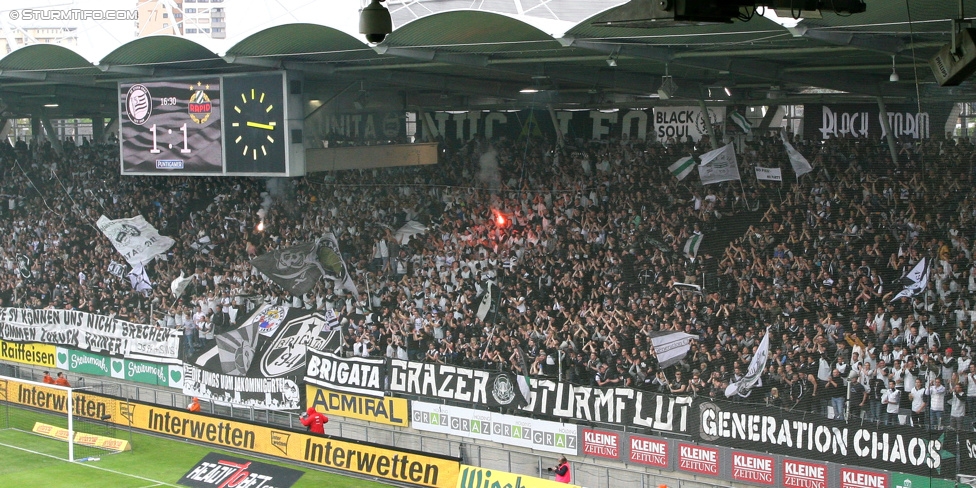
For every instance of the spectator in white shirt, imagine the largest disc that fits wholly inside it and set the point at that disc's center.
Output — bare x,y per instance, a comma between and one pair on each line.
891,399
936,392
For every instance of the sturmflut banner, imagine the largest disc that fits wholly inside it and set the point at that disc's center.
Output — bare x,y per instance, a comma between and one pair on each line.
90,332
622,406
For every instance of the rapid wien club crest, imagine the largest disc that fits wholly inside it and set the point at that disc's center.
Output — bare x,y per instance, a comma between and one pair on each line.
199,106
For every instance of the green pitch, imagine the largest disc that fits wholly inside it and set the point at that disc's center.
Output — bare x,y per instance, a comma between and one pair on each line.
152,462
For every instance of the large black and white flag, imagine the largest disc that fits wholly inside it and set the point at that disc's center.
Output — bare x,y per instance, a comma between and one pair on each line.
334,267
137,240
294,268
915,281
719,165
489,299
753,376
236,349
670,346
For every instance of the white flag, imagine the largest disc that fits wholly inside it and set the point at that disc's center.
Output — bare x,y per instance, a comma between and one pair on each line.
769,174
139,279
178,286
670,347
799,163
753,376
682,168
915,281
692,245
137,240
719,165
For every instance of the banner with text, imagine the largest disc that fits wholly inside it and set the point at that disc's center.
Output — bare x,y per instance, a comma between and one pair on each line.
34,354
92,332
623,406
475,477
218,470
364,458
446,382
384,410
909,450
84,362
225,389
359,375
504,429
863,121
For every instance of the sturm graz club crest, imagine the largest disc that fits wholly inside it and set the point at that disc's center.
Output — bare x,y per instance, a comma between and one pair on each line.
503,390
138,104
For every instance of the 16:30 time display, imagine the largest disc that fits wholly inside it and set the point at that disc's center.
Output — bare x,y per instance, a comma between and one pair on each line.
155,148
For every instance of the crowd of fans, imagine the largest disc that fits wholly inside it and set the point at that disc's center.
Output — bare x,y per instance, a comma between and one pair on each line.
585,242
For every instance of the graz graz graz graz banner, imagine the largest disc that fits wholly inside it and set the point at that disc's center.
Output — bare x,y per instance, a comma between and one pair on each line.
936,454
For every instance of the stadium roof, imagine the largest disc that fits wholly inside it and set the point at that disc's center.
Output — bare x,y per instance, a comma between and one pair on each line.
443,57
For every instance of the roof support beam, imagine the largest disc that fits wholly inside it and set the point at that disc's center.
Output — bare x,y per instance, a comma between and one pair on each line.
866,85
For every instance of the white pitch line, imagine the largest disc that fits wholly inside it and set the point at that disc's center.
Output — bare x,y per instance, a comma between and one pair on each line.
158,483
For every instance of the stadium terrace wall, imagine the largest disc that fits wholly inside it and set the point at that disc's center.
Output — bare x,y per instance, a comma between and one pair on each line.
399,465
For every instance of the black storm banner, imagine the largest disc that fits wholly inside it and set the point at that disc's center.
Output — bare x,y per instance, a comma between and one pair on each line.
621,406
218,471
894,448
472,386
362,376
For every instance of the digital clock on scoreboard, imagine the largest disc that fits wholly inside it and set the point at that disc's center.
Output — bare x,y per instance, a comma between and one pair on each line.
171,127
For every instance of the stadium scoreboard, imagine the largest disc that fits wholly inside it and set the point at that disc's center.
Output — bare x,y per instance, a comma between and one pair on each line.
236,125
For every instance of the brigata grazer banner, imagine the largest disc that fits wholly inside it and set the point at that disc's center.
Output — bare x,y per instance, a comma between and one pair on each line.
446,382
91,332
885,448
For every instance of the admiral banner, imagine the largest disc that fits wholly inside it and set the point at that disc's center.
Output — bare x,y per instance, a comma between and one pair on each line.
623,406
91,332
223,389
384,410
219,471
445,382
914,451
362,376
495,427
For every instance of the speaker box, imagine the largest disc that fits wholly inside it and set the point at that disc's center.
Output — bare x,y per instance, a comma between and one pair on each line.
952,68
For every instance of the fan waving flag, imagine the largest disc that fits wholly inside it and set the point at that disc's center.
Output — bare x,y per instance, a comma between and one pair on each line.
753,376
692,245
335,267
137,240
799,163
719,165
682,168
915,281
741,121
